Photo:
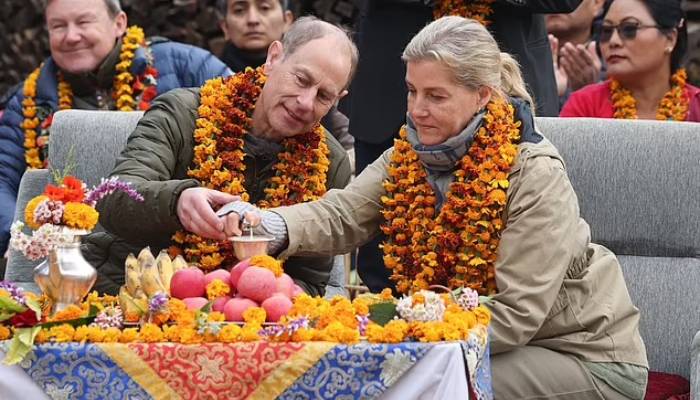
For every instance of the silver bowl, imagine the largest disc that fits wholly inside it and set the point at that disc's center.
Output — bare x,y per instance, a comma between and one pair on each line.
248,246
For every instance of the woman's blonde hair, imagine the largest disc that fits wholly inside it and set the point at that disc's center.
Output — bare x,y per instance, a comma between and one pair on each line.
471,53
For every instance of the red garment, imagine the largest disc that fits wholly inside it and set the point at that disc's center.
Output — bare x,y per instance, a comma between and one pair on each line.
594,101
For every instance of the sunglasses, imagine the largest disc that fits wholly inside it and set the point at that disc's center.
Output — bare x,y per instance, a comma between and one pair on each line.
626,31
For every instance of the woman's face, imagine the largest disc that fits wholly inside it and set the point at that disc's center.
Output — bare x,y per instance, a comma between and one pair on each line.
631,53
438,105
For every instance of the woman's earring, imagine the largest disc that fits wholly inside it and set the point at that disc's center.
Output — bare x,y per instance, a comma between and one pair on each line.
668,50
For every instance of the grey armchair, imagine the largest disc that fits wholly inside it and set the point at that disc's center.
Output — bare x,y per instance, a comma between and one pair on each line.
638,187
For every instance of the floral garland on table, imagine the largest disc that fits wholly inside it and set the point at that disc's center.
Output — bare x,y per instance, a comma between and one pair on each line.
458,248
672,107
478,10
129,92
225,115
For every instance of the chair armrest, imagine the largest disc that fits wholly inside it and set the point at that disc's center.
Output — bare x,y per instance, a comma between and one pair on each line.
695,368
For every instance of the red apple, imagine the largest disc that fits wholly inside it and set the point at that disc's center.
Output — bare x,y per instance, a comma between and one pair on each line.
297,291
234,308
195,303
257,283
276,306
237,270
219,303
188,282
220,274
285,285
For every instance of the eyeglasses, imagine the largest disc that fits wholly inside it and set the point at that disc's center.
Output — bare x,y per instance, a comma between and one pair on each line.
626,31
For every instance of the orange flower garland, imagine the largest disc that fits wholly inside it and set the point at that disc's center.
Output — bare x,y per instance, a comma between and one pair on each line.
478,10
225,112
673,106
458,248
126,86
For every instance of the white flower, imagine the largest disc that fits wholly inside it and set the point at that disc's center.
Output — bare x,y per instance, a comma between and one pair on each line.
395,365
432,309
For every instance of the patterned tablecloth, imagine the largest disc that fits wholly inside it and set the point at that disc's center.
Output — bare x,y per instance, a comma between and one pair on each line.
256,370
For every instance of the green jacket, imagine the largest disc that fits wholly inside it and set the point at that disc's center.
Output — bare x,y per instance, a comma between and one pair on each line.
155,160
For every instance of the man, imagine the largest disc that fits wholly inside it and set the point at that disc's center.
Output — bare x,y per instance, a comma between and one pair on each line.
250,26
197,148
95,63
576,62
378,100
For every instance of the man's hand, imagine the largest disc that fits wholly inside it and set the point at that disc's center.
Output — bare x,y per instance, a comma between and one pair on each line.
559,74
196,214
232,222
580,63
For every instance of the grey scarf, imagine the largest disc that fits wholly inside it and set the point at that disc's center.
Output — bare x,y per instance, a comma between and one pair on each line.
441,159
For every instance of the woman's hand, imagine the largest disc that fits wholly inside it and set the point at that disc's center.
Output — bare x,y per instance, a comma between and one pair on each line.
580,63
559,73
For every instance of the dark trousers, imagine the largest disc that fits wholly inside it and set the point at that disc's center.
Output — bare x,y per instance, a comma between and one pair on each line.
370,264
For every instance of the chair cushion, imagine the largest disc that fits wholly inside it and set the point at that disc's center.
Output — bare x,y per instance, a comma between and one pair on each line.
95,137
663,386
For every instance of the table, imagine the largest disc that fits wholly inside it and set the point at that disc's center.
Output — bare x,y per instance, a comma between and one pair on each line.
255,370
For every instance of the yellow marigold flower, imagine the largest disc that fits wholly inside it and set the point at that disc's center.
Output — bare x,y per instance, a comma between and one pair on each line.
111,335
249,333
375,333
150,333
29,211
95,334
265,261
81,334
303,335
128,335
230,333
69,313
62,333
483,315
80,216
386,294
361,306
4,332
216,316
254,315
4,293
337,332
217,288
395,331
189,335
41,337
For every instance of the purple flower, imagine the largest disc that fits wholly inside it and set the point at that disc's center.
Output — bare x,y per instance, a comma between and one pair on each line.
49,212
363,322
16,293
109,186
291,327
157,303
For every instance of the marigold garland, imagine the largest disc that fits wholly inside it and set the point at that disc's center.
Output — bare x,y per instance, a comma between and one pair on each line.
672,107
129,93
458,248
478,10
225,116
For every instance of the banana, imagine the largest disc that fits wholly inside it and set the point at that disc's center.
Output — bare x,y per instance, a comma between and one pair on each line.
165,269
132,275
179,263
150,279
146,257
131,306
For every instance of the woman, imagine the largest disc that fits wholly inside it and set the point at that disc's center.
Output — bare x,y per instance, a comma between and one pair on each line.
472,195
643,43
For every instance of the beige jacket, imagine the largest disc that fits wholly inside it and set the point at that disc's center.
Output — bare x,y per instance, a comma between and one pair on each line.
555,288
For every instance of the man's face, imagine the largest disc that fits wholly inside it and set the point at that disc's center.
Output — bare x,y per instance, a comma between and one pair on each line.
81,33
302,87
253,24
